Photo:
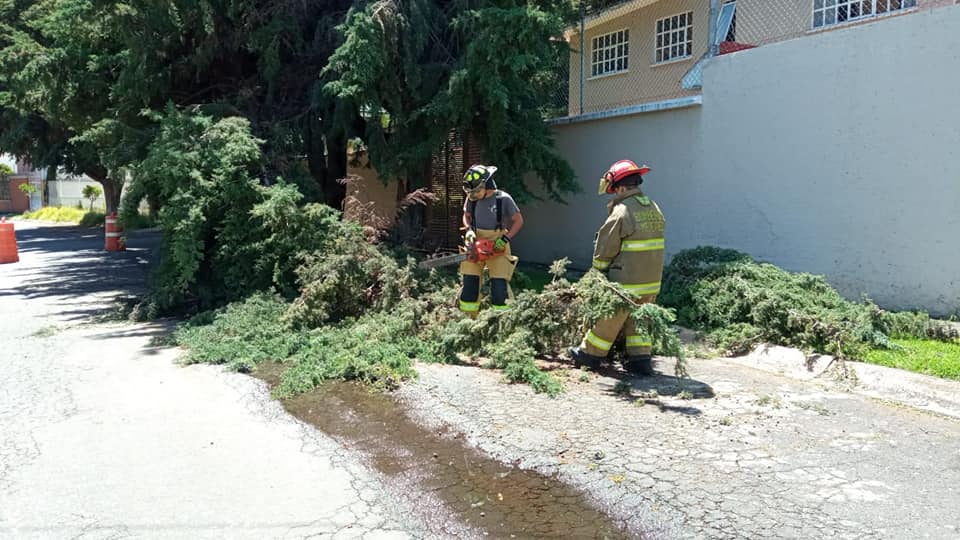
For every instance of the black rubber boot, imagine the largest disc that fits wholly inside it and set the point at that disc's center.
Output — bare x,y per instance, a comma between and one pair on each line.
639,365
581,359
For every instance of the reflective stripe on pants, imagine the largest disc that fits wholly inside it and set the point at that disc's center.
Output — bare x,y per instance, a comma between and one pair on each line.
599,340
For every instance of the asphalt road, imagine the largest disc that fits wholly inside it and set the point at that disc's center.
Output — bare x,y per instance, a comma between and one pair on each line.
104,436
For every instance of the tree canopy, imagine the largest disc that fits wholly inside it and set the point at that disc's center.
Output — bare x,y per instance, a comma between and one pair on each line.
488,68
78,79
200,106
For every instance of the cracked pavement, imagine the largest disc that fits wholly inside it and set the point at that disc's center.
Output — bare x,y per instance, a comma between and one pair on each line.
743,453
104,437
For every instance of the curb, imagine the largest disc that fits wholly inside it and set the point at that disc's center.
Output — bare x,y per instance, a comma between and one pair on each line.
922,392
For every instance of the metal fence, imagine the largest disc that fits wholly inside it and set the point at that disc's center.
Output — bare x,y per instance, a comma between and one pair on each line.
648,53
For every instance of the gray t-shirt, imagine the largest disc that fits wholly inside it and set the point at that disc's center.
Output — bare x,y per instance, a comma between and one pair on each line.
485,215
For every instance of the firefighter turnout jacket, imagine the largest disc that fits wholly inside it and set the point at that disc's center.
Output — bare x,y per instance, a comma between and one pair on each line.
629,245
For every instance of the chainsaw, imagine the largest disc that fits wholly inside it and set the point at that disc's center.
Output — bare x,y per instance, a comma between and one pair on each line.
480,250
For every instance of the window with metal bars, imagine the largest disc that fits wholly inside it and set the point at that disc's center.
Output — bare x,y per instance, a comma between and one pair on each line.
831,12
674,37
610,53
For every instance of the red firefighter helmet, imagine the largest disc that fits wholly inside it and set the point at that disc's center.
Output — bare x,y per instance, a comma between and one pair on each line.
617,172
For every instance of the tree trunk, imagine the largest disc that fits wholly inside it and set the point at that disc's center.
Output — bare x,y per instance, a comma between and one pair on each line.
153,202
111,194
335,192
111,188
313,143
51,177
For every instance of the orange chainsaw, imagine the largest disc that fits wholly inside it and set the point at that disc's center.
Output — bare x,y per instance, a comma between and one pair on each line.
480,250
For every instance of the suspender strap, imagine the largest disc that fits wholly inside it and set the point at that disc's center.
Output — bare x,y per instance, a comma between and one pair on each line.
472,209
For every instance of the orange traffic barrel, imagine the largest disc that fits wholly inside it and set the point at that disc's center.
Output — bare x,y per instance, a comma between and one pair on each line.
8,242
114,240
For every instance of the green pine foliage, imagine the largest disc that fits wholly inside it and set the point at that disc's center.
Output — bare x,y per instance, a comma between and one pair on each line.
377,349
417,70
364,312
241,335
740,303
199,168
231,121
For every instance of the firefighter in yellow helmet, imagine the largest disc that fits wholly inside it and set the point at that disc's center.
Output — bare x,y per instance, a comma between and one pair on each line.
629,248
488,213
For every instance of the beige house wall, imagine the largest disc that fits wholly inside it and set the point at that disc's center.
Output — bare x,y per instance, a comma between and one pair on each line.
645,80
764,21
759,22
369,200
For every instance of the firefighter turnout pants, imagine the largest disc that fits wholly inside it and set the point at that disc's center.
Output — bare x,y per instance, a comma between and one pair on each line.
500,269
600,338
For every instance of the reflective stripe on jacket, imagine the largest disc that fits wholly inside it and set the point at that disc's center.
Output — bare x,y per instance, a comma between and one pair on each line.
630,244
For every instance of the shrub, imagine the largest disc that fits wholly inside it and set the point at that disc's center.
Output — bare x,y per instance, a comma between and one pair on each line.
348,277
199,169
740,302
92,219
910,324
132,222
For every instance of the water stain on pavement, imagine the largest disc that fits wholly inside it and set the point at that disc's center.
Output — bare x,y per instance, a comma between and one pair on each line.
501,500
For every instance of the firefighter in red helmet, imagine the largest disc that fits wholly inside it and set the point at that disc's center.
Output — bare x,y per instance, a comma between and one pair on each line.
629,249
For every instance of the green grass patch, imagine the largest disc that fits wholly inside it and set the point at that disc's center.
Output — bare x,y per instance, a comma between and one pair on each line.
925,356
85,218
66,214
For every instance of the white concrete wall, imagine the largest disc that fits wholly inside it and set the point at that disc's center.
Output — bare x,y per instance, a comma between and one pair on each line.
70,192
664,140
836,153
9,160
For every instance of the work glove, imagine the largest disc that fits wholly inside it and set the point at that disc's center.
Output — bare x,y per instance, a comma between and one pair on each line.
469,238
501,243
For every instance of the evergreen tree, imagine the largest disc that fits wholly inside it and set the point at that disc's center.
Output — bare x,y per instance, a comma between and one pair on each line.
421,68
55,72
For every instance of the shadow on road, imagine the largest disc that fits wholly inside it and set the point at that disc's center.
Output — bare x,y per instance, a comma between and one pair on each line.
68,265
159,331
633,388
156,330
